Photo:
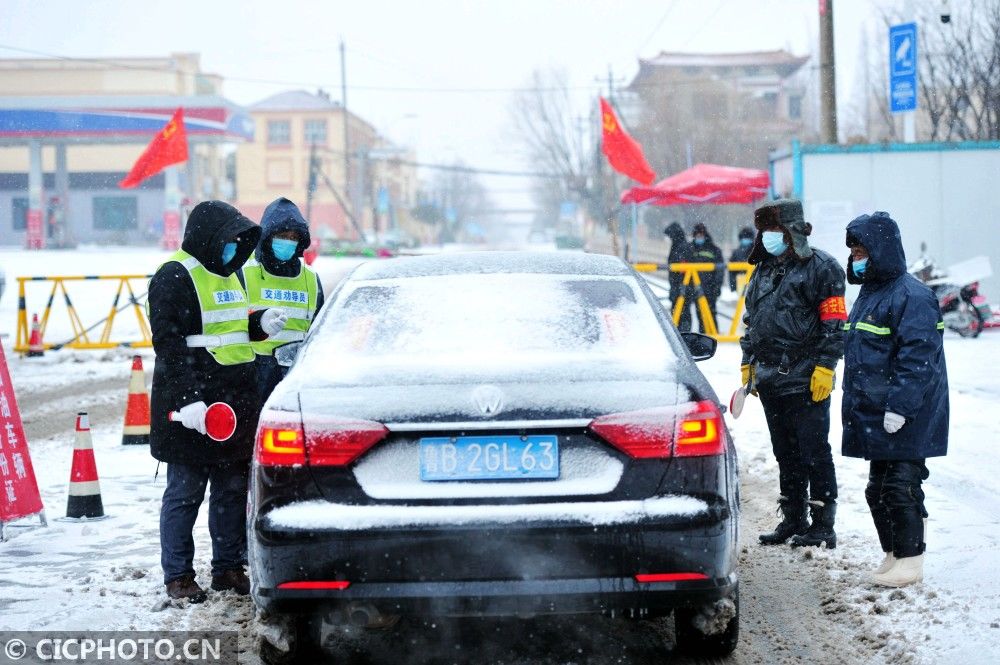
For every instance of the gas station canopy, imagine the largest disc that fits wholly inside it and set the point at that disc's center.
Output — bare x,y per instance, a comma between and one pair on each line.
119,119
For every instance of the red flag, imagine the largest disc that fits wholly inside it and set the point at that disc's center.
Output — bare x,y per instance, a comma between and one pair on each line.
168,147
623,152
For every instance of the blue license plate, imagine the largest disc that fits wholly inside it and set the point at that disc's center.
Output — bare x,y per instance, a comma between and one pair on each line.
489,457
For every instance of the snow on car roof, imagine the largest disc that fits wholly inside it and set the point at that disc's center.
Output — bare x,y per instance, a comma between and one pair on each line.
557,263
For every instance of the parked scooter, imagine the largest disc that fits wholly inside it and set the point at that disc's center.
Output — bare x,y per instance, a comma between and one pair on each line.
963,308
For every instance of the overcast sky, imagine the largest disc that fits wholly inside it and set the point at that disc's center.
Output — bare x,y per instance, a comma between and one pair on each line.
406,59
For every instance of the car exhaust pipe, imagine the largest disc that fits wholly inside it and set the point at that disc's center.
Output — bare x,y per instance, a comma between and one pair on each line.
363,615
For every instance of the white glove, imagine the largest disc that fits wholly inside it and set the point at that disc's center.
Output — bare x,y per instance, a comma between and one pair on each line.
193,416
273,320
892,422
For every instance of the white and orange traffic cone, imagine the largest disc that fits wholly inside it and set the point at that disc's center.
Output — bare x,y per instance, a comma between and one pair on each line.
35,345
136,430
84,488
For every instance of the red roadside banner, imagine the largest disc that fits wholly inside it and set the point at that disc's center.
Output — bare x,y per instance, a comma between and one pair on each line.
19,495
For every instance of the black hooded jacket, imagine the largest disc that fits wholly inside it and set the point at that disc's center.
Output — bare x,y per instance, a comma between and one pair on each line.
281,215
185,375
709,252
680,252
794,314
893,353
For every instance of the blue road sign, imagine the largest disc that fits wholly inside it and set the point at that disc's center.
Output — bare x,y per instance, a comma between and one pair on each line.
903,67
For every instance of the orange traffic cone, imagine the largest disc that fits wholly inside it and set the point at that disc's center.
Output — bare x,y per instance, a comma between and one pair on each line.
35,346
84,488
136,431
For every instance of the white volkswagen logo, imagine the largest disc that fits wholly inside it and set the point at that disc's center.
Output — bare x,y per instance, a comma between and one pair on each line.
488,399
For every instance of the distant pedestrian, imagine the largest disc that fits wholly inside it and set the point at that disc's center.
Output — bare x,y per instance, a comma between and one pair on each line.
278,277
704,250
680,252
740,254
794,321
895,407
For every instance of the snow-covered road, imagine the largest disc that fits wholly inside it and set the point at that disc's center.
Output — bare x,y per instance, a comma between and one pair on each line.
798,606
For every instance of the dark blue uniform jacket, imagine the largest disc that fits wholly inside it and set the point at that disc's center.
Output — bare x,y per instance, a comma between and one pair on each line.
893,354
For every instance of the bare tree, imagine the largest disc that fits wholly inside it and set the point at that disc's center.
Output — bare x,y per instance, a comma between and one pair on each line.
959,74
558,139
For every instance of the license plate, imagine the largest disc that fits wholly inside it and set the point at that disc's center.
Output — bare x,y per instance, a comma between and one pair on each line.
489,457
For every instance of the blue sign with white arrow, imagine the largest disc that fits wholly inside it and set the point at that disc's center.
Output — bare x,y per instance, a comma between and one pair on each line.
903,67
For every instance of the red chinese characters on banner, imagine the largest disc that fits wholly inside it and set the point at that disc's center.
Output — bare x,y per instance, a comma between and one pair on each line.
19,495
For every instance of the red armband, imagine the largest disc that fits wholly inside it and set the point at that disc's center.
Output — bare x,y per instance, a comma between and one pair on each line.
833,308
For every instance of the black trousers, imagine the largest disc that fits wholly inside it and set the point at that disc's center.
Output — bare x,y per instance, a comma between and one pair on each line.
896,501
691,300
800,431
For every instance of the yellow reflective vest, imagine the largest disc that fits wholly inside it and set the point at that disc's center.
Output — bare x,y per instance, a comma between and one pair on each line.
297,296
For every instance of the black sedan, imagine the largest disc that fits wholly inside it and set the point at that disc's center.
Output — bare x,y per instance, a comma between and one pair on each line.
495,434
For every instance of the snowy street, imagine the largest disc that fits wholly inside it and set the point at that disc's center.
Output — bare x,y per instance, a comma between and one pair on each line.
798,605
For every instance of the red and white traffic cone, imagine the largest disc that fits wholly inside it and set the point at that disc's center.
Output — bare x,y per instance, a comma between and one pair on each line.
35,345
136,430
84,488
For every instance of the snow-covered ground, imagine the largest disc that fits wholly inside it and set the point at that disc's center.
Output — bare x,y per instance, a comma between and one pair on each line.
105,574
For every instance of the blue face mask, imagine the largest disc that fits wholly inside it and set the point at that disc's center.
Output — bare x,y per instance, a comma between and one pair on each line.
283,249
774,242
746,242
699,241
228,252
859,266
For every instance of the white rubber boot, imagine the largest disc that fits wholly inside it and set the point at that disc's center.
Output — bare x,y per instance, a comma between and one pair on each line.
887,563
906,571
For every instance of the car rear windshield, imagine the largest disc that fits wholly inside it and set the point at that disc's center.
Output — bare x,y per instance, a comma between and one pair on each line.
489,326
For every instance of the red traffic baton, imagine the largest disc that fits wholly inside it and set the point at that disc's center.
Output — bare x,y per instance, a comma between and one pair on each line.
220,421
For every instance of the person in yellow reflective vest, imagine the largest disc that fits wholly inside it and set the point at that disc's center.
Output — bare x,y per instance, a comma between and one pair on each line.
278,277
202,334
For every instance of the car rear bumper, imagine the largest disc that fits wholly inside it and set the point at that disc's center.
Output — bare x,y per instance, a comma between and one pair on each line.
505,570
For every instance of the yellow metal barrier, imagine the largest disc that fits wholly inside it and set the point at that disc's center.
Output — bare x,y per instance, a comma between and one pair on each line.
692,280
81,338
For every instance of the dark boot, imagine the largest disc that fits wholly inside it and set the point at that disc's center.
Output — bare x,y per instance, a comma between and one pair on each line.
820,532
186,587
793,522
232,580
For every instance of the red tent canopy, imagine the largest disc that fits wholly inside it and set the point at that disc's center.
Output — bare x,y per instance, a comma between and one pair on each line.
703,184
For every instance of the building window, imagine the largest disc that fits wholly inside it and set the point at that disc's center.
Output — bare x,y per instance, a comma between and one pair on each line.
19,213
315,132
116,213
279,132
795,107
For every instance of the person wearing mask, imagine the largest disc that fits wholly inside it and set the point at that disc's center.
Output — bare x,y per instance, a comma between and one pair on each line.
740,254
895,408
704,250
794,319
680,252
202,331
278,277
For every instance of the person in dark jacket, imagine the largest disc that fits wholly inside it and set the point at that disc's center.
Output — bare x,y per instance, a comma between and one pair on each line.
201,335
704,250
277,277
794,320
680,252
895,407
740,254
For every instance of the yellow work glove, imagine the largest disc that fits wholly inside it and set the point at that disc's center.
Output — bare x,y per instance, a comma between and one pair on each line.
821,383
747,377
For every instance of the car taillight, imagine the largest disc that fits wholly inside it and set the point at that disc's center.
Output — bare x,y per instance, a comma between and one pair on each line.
340,441
280,444
652,578
686,430
699,433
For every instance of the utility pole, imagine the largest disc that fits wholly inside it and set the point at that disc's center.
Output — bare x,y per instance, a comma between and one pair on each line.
343,104
612,217
827,73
